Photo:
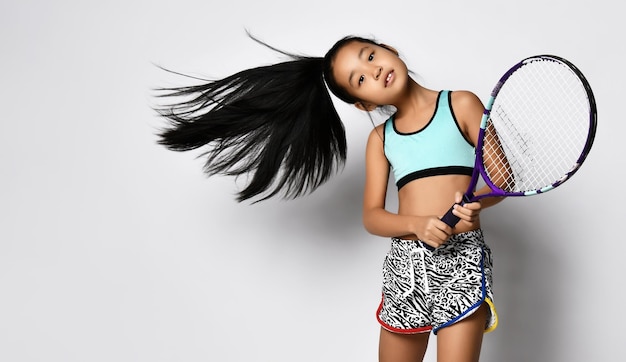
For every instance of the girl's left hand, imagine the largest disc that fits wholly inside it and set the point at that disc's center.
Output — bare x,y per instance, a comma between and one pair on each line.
468,212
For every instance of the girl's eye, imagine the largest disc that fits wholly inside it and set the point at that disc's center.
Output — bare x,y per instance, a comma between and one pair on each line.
361,79
371,57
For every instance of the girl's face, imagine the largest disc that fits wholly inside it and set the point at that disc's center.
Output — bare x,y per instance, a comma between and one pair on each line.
371,73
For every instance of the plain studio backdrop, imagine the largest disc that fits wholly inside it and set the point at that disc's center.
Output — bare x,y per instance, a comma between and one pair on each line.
113,248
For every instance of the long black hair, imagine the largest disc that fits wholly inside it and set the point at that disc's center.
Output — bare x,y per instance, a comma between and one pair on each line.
275,123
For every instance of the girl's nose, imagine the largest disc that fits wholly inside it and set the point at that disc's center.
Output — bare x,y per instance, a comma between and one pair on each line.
377,72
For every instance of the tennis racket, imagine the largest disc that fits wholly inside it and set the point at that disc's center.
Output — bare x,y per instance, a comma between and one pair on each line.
537,129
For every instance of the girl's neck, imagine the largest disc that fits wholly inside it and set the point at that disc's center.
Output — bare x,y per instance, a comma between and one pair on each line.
416,99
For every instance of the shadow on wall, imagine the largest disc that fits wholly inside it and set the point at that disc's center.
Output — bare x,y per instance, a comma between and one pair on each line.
331,213
527,274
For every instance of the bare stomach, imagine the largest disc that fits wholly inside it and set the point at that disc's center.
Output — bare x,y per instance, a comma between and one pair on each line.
434,196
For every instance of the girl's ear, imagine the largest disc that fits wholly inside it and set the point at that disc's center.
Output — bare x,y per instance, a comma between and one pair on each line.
368,107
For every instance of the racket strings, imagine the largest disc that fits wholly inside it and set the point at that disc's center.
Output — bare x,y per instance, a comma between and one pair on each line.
537,128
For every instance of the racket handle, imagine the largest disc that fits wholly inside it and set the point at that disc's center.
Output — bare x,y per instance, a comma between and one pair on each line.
451,219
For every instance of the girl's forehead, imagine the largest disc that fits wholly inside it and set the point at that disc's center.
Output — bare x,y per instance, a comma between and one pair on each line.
353,49
349,58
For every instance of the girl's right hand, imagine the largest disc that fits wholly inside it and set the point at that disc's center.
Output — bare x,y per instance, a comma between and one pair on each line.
432,231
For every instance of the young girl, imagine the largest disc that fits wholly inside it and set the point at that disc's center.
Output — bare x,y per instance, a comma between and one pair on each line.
277,124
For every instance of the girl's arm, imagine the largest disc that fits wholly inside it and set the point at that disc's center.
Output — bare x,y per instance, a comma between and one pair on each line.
376,219
469,110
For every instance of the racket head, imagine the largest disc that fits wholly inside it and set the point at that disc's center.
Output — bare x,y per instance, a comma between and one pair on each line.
537,129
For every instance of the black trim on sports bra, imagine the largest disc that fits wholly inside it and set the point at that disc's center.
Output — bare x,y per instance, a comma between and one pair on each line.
456,121
432,117
435,171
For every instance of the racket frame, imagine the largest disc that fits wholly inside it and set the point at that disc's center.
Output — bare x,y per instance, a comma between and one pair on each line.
479,168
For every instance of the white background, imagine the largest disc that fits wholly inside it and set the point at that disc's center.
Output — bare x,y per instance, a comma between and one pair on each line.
113,248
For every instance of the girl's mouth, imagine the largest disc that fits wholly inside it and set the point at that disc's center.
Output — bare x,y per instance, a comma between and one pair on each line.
389,78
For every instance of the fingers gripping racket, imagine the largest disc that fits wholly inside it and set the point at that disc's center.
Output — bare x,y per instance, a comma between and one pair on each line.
537,129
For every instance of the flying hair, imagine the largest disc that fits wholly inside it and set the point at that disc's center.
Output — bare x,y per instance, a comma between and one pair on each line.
275,124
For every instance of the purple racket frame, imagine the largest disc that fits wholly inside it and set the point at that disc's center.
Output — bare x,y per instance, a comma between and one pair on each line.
479,169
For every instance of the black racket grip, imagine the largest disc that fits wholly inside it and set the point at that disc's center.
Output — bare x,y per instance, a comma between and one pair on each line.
451,219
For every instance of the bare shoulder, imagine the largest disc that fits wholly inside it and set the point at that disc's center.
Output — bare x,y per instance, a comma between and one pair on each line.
468,110
462,99
467,106
376,135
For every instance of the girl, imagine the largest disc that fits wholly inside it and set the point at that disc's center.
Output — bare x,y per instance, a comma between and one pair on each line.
277,123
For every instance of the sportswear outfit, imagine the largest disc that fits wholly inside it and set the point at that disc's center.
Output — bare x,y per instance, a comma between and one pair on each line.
426,288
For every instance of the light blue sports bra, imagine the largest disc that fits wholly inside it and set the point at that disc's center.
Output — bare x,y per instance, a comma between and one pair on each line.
440,148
